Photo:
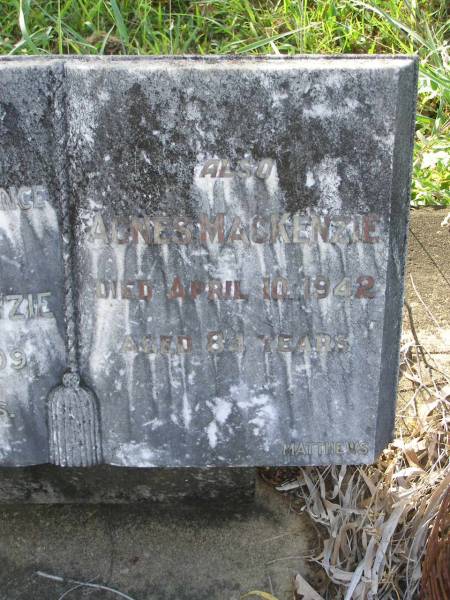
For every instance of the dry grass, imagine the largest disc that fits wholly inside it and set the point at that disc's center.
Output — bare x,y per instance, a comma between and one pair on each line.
374,521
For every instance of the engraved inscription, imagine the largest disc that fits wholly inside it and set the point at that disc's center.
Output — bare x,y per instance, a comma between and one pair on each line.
124,290
296,228
15,359
276,288
3,409
305,291
23,197
17,307
325,448
247,167
223,341
234,262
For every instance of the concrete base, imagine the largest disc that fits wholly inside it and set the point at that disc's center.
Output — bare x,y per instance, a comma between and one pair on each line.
155,552
44,484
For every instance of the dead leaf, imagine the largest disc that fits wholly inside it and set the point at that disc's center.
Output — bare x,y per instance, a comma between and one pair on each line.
303,591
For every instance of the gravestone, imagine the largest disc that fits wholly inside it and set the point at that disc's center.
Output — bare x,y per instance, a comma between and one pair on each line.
235,233
32,350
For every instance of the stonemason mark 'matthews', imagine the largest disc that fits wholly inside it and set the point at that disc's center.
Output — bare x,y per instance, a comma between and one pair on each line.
215,246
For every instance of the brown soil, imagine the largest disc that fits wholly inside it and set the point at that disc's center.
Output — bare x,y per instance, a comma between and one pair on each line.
428,295
428,270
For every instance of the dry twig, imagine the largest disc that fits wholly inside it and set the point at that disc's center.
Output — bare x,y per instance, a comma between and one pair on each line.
78,584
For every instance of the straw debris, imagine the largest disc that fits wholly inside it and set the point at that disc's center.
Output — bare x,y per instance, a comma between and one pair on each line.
375,520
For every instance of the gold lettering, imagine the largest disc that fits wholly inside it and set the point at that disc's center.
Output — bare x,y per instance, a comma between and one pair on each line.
22,197
237,232
258,236
177,290
370,223
40,196
304,345
144,289
225,169
183,233
323,343
160,226
237,345
120,225
213,229
42,306
184,344
14,315
284,342
238,294
140,230
264,168
214,289
106,289
148,345
98,230
280,288
278,228
127,290
165,342
299,226
210,168
197,288
342,343
339,233
320,227
129,344
266,340
5,201
215,341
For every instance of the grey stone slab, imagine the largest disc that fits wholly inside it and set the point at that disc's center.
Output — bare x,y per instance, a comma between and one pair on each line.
32,353
239,232
104,484
338,135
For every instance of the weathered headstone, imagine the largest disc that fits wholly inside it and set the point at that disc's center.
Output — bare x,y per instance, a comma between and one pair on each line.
32,354
238,236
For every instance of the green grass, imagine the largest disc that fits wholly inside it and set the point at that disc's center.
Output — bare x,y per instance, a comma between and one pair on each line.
259,27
